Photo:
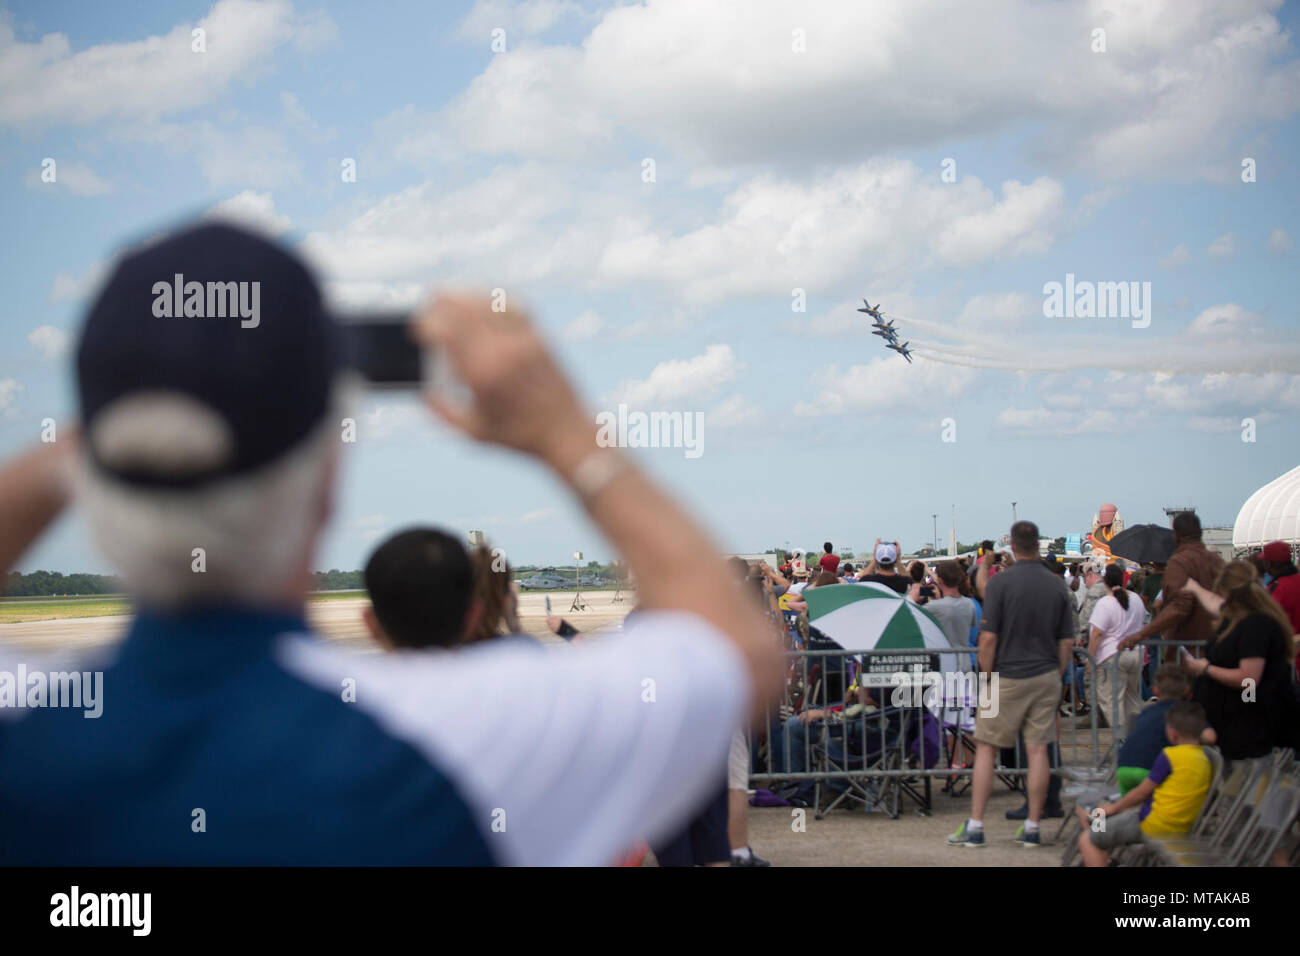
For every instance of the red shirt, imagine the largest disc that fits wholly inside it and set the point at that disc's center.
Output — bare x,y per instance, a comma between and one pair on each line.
829,562
1286,592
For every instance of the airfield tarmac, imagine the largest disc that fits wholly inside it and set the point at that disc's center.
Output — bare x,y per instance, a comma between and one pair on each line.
337,620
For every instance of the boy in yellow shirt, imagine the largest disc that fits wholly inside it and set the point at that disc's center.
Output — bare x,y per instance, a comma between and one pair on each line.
1168,801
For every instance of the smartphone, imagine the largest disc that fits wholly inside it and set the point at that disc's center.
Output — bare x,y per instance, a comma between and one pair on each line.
380,348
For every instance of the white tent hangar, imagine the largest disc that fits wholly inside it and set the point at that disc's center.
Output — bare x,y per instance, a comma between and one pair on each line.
1270,514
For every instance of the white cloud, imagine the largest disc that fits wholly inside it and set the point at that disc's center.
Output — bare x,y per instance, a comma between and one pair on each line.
1044,421
678,381
527,18
9,389
585,326
231,153
885,382
1225,321
72,288
76,178
1000,311
768,235
1024,221
251,210
1221,249
774,234
511,226
50,342
1176,259
721,84
45,83
1279,242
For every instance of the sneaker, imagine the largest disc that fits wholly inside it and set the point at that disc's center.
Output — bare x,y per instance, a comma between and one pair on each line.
966,837
752,860
1025,838
1049,813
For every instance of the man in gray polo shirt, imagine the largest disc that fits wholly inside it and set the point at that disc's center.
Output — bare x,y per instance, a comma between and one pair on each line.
1026,632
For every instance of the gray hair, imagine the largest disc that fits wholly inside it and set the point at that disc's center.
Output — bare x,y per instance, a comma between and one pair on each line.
253,530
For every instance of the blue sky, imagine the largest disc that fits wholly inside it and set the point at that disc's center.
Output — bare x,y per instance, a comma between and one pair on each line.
795,146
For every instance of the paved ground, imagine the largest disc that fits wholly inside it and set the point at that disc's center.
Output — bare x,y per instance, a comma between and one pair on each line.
338,620
854,838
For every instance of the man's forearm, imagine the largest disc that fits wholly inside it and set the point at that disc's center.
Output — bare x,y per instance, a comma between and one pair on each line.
33,492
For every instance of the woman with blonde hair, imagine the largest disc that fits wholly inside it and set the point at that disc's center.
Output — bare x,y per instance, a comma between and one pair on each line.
1244,680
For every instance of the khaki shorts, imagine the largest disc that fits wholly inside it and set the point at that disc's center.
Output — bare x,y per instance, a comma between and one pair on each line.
1123,829
1026,704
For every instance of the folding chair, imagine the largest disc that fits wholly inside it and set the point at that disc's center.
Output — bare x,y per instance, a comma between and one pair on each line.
1144,854
1272,823
870,741
1225,842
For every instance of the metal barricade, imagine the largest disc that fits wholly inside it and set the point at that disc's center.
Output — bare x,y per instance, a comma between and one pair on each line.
831,744
825,748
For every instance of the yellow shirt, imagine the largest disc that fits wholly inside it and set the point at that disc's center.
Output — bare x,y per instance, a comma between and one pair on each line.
1182,776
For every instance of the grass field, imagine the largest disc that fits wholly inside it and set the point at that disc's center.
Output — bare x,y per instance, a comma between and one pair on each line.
22,610
27,609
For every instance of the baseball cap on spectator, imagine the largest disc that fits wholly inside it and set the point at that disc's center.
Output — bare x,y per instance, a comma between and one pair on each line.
1276,551
886,553
219,326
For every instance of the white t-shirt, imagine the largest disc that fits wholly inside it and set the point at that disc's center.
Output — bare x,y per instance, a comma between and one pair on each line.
575,755
1115,622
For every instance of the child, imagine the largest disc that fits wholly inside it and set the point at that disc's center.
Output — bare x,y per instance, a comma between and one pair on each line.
1170,797
1139,752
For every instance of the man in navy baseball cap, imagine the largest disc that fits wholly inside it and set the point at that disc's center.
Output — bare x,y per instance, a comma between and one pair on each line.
228,323
223,731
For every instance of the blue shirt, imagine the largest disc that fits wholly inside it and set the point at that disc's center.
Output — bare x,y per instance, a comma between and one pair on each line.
1146,742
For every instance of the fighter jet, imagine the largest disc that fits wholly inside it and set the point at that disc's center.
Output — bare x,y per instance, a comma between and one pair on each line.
885,329
901,350
871,310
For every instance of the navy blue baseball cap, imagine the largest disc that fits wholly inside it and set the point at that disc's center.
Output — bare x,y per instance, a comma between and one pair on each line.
220,318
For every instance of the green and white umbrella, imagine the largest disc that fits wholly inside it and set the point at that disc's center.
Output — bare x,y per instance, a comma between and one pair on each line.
870,616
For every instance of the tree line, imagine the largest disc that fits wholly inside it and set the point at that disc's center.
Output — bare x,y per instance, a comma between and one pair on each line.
50,583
